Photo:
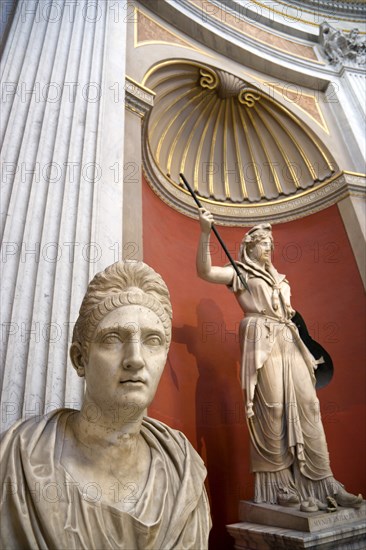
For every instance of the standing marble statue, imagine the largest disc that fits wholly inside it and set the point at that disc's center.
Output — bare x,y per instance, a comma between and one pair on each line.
289,454
106,476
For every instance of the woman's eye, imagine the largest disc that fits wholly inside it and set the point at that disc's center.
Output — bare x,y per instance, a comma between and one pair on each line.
111,339
153,340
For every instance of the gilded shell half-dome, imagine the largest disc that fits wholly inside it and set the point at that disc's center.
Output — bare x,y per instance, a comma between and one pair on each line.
233,142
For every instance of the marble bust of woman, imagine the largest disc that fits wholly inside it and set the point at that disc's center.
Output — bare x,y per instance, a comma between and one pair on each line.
107,476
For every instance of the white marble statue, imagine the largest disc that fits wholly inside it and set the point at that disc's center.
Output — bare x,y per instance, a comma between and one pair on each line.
339,46
289,454
106,476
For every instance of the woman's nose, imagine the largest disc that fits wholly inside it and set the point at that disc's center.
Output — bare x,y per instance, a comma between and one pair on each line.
132,356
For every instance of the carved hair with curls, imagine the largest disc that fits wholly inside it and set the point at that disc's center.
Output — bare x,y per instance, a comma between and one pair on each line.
120,284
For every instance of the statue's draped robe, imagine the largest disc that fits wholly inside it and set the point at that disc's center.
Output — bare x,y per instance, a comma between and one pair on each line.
43,507
288,445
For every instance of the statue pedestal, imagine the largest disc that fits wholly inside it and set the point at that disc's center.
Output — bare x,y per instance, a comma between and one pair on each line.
271,527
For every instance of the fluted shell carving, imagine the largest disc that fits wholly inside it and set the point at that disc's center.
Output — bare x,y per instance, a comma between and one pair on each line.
234,143
230,85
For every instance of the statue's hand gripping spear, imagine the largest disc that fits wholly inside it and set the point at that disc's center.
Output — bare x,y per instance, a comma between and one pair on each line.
236,268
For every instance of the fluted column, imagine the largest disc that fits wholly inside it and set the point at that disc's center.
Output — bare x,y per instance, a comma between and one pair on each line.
348,99
63,131
346,96
353,212
352,96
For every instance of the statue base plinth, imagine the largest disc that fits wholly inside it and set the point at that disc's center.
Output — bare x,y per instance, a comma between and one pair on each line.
272,527
291,518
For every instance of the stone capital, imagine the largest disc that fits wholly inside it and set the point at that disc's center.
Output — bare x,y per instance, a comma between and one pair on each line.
138,99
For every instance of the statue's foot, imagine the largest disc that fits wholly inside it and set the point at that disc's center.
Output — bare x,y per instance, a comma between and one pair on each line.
287,497
309,505
321,505
313,504
347,499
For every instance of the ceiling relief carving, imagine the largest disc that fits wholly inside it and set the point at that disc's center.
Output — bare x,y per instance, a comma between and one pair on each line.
238,147
340,47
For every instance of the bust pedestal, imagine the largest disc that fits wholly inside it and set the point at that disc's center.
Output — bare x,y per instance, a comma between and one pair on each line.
272,527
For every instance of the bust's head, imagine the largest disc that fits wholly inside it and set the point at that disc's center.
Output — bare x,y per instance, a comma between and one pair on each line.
120,284
122,335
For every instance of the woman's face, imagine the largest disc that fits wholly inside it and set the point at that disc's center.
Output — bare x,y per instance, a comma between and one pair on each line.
261,253
126,359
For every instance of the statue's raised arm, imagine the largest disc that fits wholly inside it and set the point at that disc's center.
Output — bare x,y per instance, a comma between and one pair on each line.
205,269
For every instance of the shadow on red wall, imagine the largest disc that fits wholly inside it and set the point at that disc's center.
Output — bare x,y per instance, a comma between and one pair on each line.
200,392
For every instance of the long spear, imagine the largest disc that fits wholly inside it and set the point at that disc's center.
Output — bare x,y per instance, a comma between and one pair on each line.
239,274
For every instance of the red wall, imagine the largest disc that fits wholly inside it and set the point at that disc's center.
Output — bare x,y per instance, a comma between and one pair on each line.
200,392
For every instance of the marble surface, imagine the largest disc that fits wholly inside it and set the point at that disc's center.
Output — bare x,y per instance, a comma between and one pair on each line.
279,516
252,536
62,127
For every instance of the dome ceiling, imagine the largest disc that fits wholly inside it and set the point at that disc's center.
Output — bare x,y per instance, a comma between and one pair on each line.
235,144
